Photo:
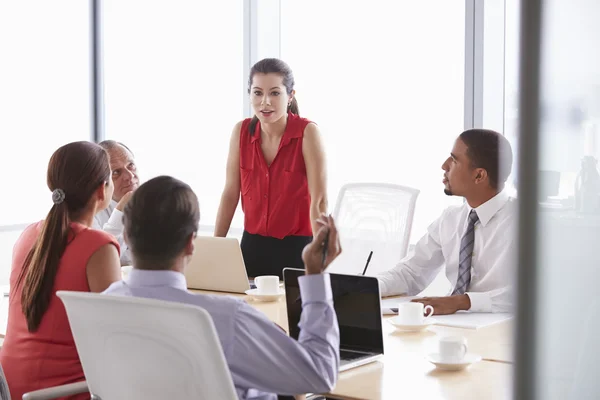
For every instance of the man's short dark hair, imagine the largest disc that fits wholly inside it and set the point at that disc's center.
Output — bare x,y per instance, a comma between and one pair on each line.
109,145
491,151
159,219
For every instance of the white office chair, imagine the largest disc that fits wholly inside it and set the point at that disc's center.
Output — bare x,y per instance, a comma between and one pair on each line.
373,217
57,392
135,348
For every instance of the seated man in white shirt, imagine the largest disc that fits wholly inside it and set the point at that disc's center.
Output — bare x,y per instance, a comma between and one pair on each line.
161,220
125,179
475,241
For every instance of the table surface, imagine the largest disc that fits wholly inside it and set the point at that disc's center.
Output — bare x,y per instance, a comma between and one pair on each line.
404,372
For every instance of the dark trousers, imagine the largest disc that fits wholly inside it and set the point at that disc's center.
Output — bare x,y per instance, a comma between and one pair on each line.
265,255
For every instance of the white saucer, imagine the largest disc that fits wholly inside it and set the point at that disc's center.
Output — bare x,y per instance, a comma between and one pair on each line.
264,297
410,328
469,359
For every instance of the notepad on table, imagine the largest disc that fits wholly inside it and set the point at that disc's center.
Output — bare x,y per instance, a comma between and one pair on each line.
468,320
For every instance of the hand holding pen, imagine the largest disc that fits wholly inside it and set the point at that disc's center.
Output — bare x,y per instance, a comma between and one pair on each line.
324,248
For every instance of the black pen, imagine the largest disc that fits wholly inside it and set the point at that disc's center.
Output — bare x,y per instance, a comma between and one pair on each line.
368,261
325,246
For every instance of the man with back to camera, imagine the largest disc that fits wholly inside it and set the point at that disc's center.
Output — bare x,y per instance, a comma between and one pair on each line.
161,221
126,181
475,241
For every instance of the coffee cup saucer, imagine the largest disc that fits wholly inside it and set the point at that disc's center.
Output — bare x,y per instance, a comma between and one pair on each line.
254,293
445,365
395,321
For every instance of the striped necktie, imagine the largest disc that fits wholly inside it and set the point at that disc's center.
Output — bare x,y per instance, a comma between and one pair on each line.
467,244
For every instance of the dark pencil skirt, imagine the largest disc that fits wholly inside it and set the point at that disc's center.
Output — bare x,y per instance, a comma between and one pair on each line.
264,255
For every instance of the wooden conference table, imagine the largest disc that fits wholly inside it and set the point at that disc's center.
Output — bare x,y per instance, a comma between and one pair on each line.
404,373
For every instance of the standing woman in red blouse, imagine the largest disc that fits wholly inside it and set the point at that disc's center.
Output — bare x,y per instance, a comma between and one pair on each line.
277,163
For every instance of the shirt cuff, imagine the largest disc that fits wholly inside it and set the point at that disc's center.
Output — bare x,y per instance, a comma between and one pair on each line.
480,302
315,288
116,220
382,288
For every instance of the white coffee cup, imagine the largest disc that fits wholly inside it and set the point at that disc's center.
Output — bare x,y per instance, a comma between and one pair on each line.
410,313
452,348
267,284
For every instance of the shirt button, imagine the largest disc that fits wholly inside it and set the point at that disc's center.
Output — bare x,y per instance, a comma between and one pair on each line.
267,175
265,196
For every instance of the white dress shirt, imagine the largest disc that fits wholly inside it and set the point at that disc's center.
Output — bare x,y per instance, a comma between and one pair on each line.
263,360
493,262
110,220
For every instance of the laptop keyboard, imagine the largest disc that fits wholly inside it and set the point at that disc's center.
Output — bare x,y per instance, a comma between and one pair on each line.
349,356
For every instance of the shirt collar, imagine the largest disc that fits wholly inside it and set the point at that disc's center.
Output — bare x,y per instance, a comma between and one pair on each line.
487,210
112,205
146,278
288,135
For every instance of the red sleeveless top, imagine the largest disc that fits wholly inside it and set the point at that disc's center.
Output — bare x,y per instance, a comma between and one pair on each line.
47,357
275,198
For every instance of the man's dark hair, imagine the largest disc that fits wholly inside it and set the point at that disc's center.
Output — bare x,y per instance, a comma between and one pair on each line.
109,145
491,151
159,219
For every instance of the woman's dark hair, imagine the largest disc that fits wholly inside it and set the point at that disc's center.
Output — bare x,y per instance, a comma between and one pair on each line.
274,66
77,169
159,219
491,151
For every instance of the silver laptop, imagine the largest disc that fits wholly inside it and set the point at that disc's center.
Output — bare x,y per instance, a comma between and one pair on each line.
217,264
357,305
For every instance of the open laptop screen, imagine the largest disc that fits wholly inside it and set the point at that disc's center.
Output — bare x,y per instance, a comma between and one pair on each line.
357,305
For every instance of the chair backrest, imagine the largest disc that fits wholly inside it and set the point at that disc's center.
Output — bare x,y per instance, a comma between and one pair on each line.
135,348
373,217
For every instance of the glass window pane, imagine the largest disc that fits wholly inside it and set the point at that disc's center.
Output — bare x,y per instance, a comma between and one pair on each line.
385,82
44,101
44,96
174,87
568,308
500,74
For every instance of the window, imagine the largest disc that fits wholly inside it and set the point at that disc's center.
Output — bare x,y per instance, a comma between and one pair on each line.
174,89
44,103
500,74
385,83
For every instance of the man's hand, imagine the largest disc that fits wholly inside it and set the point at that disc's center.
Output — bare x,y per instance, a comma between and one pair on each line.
446,305
312,255
124,200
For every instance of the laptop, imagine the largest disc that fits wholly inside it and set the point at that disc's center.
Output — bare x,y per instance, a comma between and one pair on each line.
217,264
356,302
